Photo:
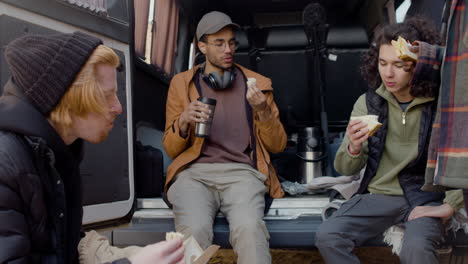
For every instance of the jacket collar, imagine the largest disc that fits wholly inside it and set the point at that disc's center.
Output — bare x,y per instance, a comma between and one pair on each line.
384,93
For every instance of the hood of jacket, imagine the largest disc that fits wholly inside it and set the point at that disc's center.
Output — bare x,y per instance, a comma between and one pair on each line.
18,116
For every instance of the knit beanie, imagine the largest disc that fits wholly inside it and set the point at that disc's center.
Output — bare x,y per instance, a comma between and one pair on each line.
44,66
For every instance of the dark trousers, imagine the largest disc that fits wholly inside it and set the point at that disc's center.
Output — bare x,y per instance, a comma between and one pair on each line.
366,216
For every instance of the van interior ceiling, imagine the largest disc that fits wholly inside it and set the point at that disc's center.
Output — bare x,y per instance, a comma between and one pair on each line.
247,13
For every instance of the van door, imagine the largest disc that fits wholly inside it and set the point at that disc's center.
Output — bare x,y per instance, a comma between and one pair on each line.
107,168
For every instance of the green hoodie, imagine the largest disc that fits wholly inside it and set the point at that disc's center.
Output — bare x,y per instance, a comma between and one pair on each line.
401,147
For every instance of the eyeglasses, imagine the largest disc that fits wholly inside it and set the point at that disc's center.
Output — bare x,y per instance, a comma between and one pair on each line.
221,46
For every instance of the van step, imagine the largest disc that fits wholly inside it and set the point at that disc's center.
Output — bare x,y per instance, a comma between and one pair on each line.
296,233
284,208
286,202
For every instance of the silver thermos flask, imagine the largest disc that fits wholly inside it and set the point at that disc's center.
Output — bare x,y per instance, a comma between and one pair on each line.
309,151
202,129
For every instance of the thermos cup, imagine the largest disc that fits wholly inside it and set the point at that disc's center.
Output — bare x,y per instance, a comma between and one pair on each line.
202,129
309,150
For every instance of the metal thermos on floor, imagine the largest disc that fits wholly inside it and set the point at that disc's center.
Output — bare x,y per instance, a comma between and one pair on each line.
309,151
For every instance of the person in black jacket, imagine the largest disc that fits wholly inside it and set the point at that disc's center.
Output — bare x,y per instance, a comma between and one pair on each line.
62,91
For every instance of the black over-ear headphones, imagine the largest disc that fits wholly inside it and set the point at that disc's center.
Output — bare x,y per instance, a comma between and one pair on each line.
216,81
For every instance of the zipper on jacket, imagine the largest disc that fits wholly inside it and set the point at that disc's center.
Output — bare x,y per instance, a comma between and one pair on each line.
403,121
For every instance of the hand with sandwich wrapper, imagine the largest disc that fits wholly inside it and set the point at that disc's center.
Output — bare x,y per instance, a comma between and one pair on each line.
359,129
193,253
164,252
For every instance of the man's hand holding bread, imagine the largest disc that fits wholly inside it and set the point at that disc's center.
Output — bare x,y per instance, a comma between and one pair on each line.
359,129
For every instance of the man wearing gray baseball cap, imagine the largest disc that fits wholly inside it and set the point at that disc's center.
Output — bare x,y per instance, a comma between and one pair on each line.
229,170
214,22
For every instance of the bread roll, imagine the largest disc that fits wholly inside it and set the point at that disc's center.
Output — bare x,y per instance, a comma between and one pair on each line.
372,123
251,82
174,235
402,49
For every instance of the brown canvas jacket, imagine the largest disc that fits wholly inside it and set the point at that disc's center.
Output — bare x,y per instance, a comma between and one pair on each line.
269,135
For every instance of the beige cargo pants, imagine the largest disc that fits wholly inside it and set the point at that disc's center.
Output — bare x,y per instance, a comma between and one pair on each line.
237,190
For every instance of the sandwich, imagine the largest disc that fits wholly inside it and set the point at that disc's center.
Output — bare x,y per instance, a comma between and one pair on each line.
251,82
402,49
372,123
174,235
192,249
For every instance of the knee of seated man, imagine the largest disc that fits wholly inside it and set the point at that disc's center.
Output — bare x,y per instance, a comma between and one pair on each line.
418,244
249,225
325,238
197,230
331,233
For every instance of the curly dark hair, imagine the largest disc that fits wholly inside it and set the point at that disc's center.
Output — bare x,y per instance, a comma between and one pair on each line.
412,29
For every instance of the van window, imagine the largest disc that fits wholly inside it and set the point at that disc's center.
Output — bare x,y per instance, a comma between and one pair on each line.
98,7
156,28
143,27
116,10
402,10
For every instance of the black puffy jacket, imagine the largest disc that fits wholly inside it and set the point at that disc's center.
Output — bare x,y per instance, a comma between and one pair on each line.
40,187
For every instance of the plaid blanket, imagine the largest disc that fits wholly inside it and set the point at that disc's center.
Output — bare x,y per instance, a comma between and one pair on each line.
448,151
